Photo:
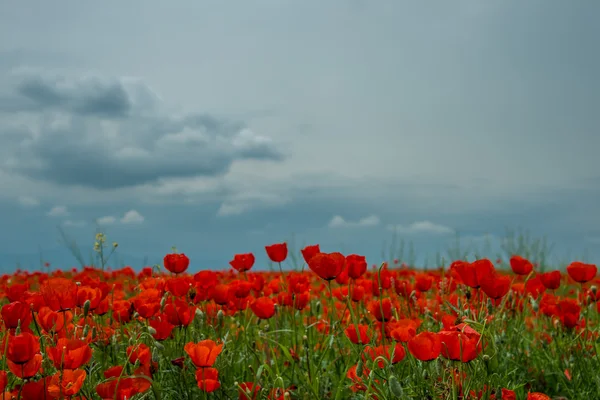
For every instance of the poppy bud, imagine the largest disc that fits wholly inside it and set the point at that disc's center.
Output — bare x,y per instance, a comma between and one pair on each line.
395,387
359,368
151,330
220,317
159,346
86,308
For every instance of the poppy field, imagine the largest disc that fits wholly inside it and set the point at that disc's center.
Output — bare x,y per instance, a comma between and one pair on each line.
334,328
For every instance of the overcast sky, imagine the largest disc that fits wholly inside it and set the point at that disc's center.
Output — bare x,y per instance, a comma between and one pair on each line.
220,127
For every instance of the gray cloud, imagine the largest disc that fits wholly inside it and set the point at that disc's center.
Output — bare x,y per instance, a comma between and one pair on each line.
113,133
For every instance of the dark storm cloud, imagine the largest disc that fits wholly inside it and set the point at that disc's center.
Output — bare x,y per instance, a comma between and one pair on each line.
87,96
111,133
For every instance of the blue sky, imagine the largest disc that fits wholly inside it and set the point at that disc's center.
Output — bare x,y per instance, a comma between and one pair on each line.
220,127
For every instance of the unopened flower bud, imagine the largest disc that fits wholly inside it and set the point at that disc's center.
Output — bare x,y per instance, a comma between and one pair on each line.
395,387
359,368
86,307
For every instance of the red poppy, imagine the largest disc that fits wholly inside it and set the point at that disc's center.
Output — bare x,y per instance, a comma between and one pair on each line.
179,312
277,252
263,307
69,353
496,287
3,381
204,353
208,379
139,352
248,391
16,314
242,262
66,383
358,334
327,265
381,309
508,394
537,396
459,346
21,348
581,272
60,294
176,263
520,265
356,265
309,251
424,282
122,389
425,346
550,280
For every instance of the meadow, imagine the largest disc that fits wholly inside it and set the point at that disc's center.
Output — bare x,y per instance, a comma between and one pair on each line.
334,328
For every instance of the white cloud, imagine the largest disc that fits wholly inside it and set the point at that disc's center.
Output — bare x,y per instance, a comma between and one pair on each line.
58,211
107,220
338,221
132,217
28,201
422,227
72,223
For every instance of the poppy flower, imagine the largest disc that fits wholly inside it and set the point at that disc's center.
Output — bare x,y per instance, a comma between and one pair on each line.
424,282
3,381
496,287
537,396
263,307
309,251
66,383
386,352
176,263
425,346
520,265
208,379
179,312
140,352
459,346
358,334
248,391
162,326
204,353
277,252
403,330
508,394
242,262
16,314
381,309
147,303
28,369
550,280
60,294
356,265
327,265
52,321
122,389
69,353
21,348
581,272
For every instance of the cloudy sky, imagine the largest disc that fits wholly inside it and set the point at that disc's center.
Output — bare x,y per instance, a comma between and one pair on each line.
219,127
